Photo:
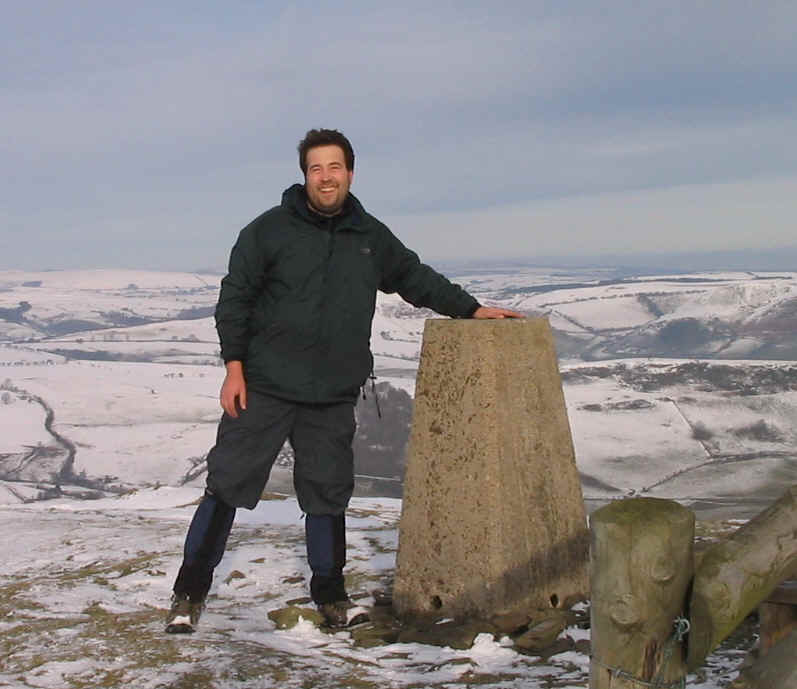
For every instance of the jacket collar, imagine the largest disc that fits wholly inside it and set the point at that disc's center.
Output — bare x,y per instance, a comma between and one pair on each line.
353,217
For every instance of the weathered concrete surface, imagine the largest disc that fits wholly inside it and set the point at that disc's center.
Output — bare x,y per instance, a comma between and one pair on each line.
493,517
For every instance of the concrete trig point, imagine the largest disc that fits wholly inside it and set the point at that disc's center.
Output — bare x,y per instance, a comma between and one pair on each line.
493,517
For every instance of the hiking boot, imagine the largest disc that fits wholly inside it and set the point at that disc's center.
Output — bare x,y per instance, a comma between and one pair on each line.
335,614
183,615
343,613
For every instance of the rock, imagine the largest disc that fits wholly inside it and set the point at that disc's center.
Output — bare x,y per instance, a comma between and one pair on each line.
543,631
558,646
382,598
512,622
584,646
287,618
459,635
370,635
304,600
383,615
235,574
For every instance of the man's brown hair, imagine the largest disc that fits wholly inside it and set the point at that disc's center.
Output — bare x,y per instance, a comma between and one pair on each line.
325,137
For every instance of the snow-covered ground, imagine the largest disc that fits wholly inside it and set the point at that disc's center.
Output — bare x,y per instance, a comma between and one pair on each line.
84,587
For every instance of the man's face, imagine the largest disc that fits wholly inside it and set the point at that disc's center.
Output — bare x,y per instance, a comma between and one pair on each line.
327,180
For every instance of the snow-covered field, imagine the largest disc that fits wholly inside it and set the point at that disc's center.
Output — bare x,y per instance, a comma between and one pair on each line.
109,389
636,427
689,431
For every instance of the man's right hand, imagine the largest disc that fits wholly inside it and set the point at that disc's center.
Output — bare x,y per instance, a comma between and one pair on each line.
233,388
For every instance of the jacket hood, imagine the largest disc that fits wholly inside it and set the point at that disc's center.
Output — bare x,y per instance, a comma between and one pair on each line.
294,200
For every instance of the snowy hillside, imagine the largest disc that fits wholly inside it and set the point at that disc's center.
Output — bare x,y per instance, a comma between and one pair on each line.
595,314
712,315
130,381
109,390
716,436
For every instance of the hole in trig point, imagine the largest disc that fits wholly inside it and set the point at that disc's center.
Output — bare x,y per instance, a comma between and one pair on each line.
437,603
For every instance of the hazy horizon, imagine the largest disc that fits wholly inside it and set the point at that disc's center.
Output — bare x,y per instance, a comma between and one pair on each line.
778,259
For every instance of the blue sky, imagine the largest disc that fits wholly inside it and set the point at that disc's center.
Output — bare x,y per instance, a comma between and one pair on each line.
147,134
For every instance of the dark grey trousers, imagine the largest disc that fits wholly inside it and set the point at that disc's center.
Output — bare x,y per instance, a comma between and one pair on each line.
238,469
320,434
207,538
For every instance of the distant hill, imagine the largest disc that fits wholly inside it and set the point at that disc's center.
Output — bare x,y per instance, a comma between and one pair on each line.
596,314
109,380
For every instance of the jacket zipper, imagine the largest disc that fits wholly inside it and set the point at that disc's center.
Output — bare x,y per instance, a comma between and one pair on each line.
323,334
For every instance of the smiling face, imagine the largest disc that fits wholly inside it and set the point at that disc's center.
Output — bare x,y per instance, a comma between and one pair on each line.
327,180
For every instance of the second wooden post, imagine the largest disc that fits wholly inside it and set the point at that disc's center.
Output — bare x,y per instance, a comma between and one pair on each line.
641,564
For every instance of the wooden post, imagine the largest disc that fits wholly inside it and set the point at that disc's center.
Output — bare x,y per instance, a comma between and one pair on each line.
777,616
736,575
775,670
641,563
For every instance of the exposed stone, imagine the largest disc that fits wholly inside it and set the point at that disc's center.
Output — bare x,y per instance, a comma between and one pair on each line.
370,635
381,614
562,645
235,574
382,598
303,600
493,517
543,631
511,622
459,635
287,618
583,646
293,580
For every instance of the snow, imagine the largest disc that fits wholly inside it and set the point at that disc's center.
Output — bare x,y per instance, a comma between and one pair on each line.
100,279
625,311
17,355
102,297
637,442
27,421
80,574
85,565
732,301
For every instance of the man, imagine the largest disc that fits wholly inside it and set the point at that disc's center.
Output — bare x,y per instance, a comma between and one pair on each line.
294,320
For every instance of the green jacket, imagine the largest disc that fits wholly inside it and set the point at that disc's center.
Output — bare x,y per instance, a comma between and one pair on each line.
297,303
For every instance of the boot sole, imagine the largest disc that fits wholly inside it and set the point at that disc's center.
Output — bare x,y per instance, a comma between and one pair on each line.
179,628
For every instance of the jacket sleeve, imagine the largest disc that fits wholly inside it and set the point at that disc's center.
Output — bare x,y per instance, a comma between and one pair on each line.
240,289
421,285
